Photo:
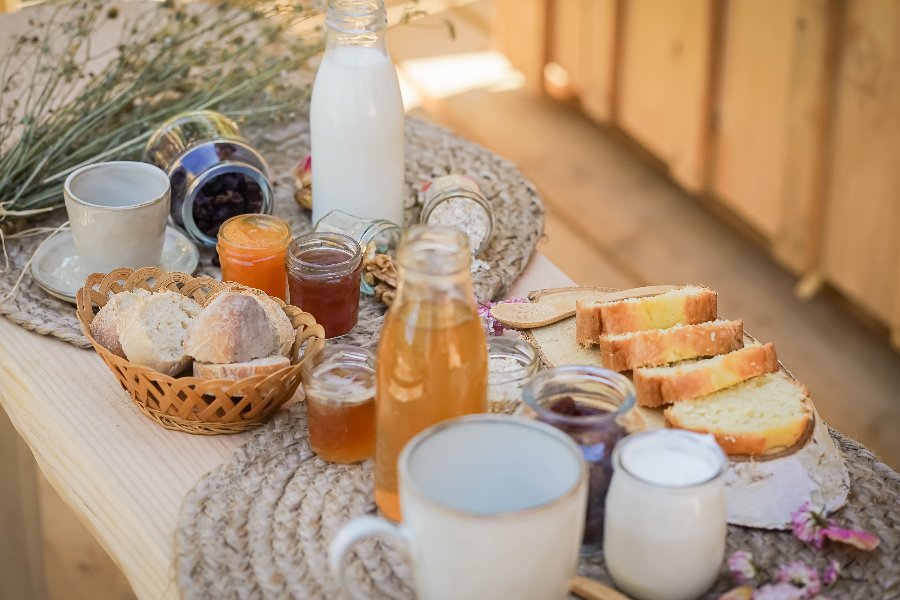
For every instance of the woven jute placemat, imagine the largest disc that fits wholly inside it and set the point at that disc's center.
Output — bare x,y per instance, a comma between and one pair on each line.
259,526
430,150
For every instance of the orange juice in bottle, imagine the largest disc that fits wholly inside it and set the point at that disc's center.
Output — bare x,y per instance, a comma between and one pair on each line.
432,358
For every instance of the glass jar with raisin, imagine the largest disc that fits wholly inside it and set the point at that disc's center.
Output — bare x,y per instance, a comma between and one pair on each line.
589,404
214,172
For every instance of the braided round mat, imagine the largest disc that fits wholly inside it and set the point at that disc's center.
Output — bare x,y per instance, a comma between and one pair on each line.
431,151
259,527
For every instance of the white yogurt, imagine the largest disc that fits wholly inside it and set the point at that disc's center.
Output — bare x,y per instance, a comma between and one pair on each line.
665,528
356,126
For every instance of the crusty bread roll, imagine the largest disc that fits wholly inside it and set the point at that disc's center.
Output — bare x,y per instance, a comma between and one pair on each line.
105,326
752,417
232,328
663,385
661,346
687,305
238,371
283,333
152,331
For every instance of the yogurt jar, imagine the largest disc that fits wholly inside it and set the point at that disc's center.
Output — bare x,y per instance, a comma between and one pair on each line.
665,525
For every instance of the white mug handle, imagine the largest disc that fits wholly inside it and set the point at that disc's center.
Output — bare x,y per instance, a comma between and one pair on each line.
354,531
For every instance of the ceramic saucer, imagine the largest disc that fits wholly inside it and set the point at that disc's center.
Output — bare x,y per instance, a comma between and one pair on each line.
58,269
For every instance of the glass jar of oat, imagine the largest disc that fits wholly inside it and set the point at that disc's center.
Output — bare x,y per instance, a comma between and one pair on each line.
456,201
511,363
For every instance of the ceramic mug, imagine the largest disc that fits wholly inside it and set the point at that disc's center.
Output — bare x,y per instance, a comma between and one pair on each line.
118,212
493,507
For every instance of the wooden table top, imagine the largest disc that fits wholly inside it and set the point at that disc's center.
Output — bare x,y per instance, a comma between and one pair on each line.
123,475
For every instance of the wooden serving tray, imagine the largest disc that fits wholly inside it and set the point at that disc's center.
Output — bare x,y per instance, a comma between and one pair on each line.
762,489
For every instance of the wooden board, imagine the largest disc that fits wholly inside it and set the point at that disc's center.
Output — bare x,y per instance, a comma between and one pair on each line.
771,119
862,235
664,88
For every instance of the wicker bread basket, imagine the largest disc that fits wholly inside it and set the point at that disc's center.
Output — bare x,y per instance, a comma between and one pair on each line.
189,404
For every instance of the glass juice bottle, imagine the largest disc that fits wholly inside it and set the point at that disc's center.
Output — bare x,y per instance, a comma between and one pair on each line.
356,117
432,358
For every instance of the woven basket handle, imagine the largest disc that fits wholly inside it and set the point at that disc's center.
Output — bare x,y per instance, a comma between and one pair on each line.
358,529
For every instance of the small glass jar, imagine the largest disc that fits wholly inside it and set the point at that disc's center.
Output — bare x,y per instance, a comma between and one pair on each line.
251,251
324,271
666,515
449,201
339,383
511,363
214,172
375,236
589,404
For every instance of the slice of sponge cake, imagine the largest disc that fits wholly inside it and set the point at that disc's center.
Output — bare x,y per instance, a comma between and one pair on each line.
663,385
688,305
762,413
661,346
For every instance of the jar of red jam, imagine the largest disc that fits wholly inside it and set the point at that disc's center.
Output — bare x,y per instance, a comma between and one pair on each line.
324,271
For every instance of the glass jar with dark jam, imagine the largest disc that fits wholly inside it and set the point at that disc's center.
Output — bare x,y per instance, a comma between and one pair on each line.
589,404
324,271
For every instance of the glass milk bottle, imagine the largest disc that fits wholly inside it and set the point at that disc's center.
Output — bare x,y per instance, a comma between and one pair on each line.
356,117
432,358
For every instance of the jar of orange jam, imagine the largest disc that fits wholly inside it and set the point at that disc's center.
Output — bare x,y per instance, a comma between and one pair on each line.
339,382
252,249
324,271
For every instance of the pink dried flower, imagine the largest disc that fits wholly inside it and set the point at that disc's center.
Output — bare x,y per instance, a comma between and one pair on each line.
801,577
742,568
810,524
831,572
491,325
858,539
739,593
778,591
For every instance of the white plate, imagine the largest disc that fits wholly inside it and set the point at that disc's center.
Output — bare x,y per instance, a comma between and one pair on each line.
58,270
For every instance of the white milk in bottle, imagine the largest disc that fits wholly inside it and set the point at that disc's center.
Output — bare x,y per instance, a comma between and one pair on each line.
356,118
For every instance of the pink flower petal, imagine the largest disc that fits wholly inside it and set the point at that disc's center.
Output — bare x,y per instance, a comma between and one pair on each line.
778,591
858,539
831,572
738,593
742,568
809,524
801,577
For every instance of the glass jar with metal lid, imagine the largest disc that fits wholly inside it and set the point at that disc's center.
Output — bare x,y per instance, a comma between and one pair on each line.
456,201
511,363
375,236
214,172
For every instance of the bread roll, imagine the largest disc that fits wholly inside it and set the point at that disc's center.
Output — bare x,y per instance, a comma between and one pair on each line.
105,326
232,328
152,331
238,371
283,333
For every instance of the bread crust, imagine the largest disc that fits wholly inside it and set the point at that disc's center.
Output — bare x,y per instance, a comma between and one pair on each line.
238,371
233,328
661,346
594,319
657,390
751,443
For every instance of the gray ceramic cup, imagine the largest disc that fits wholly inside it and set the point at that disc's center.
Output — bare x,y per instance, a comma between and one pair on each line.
118,213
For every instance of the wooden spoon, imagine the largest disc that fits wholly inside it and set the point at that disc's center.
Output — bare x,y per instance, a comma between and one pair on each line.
593,590
536,314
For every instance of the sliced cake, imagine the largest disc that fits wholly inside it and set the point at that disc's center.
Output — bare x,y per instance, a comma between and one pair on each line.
661,346
663,385
688,305
752,417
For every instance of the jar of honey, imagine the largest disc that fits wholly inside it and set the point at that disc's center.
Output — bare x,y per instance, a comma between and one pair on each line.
339,383
252,249
324,271
375,236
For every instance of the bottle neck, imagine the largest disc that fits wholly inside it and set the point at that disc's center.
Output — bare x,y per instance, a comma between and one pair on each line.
435,289
359,23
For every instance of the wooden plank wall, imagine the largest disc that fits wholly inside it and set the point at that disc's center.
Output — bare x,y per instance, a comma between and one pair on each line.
784,112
